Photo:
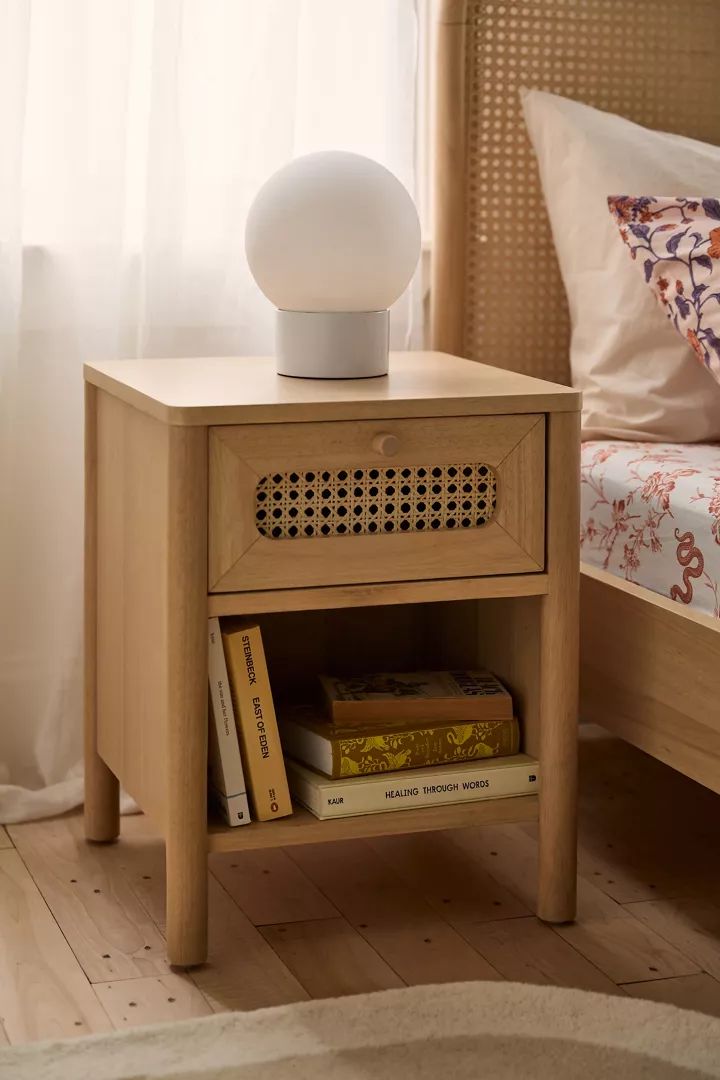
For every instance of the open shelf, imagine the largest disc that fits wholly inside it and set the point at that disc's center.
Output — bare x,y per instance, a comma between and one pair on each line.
304,828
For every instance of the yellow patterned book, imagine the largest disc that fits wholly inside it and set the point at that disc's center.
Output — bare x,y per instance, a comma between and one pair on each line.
255,718
416,695
357,750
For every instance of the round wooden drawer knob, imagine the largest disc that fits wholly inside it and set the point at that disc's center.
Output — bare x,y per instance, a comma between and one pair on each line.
386,444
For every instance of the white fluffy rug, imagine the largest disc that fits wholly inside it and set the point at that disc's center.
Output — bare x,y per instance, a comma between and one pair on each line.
462,1031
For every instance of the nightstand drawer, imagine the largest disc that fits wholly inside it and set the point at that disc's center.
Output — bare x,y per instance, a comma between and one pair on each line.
303,504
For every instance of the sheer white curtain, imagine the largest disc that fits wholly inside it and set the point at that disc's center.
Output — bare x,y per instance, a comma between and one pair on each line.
133,135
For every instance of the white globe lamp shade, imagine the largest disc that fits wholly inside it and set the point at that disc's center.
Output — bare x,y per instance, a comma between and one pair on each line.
332,239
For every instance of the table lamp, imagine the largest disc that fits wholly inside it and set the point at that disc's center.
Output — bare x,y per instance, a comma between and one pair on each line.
332,239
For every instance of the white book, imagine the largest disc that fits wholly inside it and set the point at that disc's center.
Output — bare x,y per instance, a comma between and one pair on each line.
226,775
497,778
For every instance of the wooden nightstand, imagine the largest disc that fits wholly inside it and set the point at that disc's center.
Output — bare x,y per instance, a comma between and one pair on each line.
436,573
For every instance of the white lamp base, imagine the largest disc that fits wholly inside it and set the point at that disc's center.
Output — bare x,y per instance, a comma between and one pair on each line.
332,344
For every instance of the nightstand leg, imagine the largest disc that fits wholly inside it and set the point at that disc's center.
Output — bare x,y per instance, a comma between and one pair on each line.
102,791
102,794
187,690
559,636
187,895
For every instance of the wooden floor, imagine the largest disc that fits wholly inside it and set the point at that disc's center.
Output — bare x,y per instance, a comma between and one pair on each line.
81,927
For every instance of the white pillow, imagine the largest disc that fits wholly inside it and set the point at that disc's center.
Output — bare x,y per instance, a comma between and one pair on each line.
639,379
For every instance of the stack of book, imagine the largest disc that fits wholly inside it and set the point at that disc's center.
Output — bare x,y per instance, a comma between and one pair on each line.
370,744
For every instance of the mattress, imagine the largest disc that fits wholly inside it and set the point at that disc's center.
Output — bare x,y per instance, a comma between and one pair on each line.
650,513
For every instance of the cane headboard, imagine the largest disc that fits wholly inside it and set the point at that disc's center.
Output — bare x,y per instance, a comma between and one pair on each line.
496,291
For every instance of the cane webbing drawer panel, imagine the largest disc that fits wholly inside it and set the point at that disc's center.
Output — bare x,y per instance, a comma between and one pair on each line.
375,500
294,505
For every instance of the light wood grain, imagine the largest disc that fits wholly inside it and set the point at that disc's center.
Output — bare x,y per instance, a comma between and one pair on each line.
456,887
102,791
133,463
630,677
242,972
507,636
43,991
304,828
399,925
186,727
378,594
624,794
298,645
559,675
244,390
532,645
152,1000
267,448
91,898
511,857
621,855
305,561
512,542
521,493
698,992
526,950
5,841
691,925
329,958
153,478
448,289
270,888
151,641
626,950
618,873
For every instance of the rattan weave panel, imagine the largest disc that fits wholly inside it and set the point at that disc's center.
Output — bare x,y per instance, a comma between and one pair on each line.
360,501
654,61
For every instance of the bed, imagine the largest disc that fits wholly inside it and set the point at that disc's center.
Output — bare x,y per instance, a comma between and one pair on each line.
650,625
650,514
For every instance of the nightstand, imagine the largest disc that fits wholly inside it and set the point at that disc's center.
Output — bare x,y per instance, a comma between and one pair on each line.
425,519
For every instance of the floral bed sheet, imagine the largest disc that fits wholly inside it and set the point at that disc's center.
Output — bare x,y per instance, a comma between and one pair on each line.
650,513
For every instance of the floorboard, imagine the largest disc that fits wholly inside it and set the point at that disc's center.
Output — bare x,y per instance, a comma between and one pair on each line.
458,889
698,992
691,925
626,950
270,887
153,1000
409,935
329,958
44,993
525,950
87,888
242,971
82,927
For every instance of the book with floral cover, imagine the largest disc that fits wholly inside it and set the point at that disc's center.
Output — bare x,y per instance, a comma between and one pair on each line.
339,749
418,695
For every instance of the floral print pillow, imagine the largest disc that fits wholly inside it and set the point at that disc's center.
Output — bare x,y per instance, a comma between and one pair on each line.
677,242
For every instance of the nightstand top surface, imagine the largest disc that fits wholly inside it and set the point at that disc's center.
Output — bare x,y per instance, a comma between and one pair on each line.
247,389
